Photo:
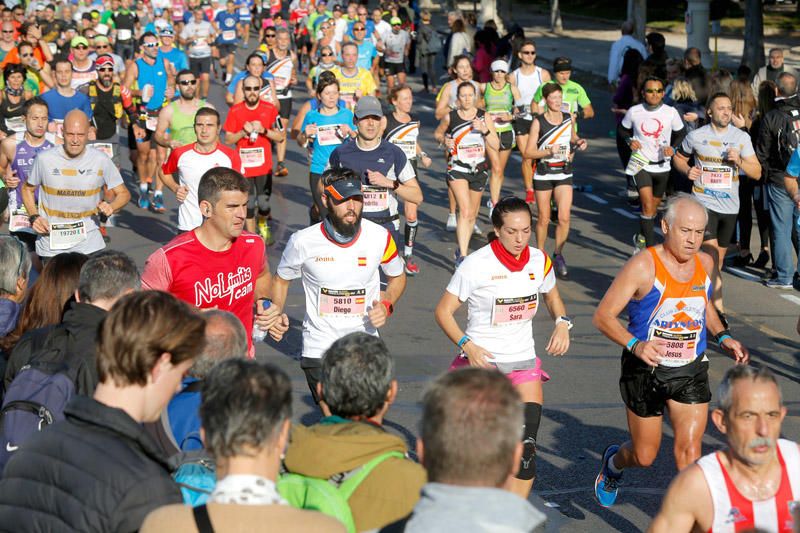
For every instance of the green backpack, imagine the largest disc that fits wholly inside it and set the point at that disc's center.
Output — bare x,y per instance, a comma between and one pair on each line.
326,496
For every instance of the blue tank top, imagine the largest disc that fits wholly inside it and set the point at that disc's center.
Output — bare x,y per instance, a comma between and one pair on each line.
23,162
155,75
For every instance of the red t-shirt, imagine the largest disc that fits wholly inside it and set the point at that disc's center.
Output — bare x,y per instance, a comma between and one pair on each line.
207,279
256,156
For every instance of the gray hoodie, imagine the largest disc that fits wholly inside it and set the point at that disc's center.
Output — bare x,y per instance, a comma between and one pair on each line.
472,510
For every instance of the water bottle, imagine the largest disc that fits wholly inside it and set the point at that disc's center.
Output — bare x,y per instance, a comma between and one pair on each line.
258,334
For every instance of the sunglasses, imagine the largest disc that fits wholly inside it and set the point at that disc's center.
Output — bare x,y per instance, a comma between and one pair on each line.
251,89
26,55
150,45
528,53
100,46
106,69
359,29
654,91
326,55
81,47
187,82
269,35
8,31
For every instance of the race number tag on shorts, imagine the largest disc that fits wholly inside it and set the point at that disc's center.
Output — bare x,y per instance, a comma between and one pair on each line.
506,311
229,35
408,147
65,236
328,135
681,346
375,198
566,107
281,83
252,157
19,222
124,34
636,163
342,303
151,122
717,177
106,148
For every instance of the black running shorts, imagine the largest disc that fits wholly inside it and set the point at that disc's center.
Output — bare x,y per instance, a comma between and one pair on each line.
721,226
656,180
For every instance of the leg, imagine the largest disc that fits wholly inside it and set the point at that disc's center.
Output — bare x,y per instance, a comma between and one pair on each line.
280,147
204,81
648,215
531,395
451,201
460,189
527,164
745,218
563,197
781,212
410,212
250,221
642,449
689,424
543,218
498,174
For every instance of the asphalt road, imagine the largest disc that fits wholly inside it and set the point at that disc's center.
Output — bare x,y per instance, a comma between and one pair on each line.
583,412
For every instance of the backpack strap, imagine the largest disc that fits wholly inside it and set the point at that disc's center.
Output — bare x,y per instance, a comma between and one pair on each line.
398,526
202,520
350,484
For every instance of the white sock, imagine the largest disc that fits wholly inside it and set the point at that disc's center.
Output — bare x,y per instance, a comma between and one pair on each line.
613,469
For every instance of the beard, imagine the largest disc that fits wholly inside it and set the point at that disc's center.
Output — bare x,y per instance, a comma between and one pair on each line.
344,228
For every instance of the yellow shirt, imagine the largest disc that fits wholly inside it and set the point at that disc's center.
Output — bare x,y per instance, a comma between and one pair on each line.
362,81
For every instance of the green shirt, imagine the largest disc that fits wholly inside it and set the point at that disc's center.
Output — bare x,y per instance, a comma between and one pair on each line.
573,94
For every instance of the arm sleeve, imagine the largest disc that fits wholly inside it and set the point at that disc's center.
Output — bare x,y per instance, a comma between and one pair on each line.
391,264
687,146
583,98
170,166
111,174
232,123
291,264
460,284
626,122
157,274
747,147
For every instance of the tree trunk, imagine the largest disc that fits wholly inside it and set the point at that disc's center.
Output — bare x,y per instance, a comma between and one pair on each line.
555,17
753,54
489,10
637,12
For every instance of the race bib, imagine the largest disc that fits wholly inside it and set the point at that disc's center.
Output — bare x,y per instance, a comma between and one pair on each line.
408,147
375,198
177,12
19,222
349,99
244,12
717,177
16,124
562,154
124,35
147,92
252,157
151,122
636,163
106,148
681,347
229,35
507,311
498,120
68,235
471,154
342,303
328,135
394,56
281,83
566,107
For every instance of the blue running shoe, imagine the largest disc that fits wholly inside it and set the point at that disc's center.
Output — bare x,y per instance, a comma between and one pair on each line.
158,203
605,486
144,197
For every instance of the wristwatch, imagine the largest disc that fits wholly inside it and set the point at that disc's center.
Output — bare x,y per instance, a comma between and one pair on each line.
389,307
567,320
32,218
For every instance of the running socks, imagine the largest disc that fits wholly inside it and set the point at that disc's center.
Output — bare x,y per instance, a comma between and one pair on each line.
647,225
410,237
613,469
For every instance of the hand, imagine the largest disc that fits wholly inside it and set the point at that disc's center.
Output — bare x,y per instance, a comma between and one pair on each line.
651,352
690,117
553,149
426,161
247,127
450,143
41,226
181,193
175,144
105,208
346,131
378,314
635,145
92,135
266,318
668,151
11,178
358,94
478,124
279,328
257,126
736,350
733,156
581,144
311,130
169,92
379,180
738,120
559,340
695,173
477,356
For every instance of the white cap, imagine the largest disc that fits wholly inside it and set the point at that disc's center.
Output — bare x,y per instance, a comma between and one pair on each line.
499,64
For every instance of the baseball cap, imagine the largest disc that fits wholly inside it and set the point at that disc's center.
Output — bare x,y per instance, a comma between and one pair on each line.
344,189
337,7
101,39
104,59
499,64
368,106
562,64
79,40
167,31
395,20
40,7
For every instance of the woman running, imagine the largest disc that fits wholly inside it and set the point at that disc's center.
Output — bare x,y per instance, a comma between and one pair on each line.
467,134
501,283
552,134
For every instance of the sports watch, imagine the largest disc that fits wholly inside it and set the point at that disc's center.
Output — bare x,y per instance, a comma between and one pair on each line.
566,320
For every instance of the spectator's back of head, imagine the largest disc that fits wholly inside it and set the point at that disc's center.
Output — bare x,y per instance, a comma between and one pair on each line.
627,27
15,264
107,276
226,338
787,84
474,406
357,376
692,57
246,407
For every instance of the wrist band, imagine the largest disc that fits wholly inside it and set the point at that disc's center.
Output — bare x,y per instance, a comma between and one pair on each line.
631,344
722,335
464,340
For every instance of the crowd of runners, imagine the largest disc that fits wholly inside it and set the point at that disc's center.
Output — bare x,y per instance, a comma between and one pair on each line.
93,351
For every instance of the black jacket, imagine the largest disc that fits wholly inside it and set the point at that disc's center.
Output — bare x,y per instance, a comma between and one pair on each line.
80,320
773,165
95,471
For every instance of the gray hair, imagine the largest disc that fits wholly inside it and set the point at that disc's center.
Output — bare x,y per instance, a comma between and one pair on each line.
357,372
107,275
738,373
226,338
281,29
627,27
671,212
787,84
775,50
15,263
244,404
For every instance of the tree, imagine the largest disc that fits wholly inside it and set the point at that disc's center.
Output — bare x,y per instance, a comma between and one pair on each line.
753,54
555,17
637,12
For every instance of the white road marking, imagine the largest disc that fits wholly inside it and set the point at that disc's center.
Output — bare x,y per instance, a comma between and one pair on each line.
516,157
792,298
626,214
425,107
742,274
595,198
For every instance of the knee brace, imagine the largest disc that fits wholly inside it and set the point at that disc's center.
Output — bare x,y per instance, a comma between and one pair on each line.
527,463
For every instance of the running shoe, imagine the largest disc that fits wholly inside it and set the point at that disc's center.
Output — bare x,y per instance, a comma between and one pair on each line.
158,204
144,198
452,222
639,243
490,206
529,197
265,232
605,485
476,230
281,170
104,233
773,284
561,265
412,268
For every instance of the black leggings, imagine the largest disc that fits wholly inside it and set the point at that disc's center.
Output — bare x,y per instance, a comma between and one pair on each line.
751,194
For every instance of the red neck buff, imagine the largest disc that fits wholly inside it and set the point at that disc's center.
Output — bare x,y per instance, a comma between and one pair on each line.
508,260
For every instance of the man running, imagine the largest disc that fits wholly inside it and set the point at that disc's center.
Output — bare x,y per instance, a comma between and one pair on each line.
754,483
395,53
281,66
720,152
197,37
228,28
667,292
191,161
354,81
576,101
338,260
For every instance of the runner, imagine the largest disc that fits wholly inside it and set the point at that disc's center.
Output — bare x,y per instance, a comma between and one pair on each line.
228,29
466,134
83,68
256,65
395,53
720,150
354,82
667,292
499,96
324,129
754,483
556,139
327,62
197,37
527,78
501,283
338,260
575,99
243,8
217,265
191,161
249,127
367,53
282,68
401,128
651,128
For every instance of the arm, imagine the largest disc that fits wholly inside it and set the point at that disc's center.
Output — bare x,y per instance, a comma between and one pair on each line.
40,226
121,197
532,149
410,191
750,166
439,133
683,503
588,112
161,135
444,313
443,105
490,135
263,283
714,326
559,340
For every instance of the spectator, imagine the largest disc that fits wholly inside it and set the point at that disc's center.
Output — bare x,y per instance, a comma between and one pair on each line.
618,49
246,412
357,388
459,42
100,452
15,264
721,81
657,53
783,213
686,102
468,485
674,70
774,67
696,74
625,97
484,55
429,44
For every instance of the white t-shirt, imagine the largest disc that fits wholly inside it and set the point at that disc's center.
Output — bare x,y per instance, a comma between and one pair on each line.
340,281
383,29
653,129
395,46
190,165
198,31
501,303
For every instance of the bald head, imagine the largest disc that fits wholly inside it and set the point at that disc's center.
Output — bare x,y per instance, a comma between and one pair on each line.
76,131
682,206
